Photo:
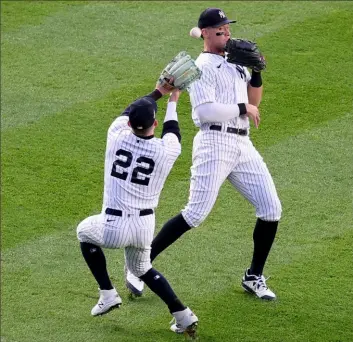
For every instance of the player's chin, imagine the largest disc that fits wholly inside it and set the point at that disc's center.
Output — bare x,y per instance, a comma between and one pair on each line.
225,41
223,46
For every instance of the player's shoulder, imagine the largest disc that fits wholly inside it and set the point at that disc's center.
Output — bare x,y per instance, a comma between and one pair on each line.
166,140
118,125
206,58
209,62
169,142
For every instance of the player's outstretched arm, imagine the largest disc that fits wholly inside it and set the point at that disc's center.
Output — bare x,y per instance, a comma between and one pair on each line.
171,124
180,73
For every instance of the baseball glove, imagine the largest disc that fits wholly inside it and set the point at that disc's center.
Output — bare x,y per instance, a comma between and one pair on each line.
246,53
179,73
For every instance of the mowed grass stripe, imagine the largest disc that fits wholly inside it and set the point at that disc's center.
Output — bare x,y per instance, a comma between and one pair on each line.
52,169
79,158
50,181
55,301
52,291
80,53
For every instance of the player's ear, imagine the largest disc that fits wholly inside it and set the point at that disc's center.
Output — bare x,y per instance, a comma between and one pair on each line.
129,123
204,33
155,124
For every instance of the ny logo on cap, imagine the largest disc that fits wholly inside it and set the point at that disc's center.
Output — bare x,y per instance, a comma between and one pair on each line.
221,14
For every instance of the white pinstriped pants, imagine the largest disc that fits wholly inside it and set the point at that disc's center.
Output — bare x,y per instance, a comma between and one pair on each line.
218,156
131,231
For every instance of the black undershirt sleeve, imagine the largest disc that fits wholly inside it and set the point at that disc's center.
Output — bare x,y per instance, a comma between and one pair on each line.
155,95
171,126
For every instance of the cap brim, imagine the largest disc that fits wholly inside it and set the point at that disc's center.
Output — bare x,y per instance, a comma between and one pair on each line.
224,23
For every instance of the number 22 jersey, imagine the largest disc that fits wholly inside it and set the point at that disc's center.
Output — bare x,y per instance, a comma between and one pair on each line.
136,167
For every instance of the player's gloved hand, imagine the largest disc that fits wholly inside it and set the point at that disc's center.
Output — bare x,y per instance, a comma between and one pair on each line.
246,53
253,113
179,73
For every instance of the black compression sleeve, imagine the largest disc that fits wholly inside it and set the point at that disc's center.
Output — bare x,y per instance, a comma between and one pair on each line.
156,95
171,126
256,79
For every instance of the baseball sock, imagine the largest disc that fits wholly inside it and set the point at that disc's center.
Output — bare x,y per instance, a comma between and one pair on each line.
169,233
264,235
160,286
96,262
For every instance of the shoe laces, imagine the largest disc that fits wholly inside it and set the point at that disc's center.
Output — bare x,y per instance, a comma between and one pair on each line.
261,283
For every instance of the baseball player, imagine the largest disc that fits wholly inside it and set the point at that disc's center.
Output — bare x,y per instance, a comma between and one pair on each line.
223,101
136,167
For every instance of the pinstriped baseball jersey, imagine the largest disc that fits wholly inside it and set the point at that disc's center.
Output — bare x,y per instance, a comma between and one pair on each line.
222,82
220,153
136,168
135,171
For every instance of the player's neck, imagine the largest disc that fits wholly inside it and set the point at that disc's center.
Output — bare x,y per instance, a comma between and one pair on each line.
209,49
146,137
148,134
144,134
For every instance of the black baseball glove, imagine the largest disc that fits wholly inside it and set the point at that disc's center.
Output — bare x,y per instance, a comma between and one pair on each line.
246,53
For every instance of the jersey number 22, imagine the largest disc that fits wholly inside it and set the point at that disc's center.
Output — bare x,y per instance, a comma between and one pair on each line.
138,172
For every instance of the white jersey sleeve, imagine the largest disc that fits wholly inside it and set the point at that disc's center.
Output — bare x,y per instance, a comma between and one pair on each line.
172,146
171,133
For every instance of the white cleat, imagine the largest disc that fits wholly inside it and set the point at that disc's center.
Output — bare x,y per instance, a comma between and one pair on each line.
134,284
185,322
108,300
257,285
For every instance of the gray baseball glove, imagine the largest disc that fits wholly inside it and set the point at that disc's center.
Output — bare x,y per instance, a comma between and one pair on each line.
179,73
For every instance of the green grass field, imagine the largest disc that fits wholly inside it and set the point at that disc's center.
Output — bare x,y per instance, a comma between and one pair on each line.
69,68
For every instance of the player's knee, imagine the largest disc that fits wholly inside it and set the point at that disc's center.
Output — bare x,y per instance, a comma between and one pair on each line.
194,218
272,212
138,269
80,233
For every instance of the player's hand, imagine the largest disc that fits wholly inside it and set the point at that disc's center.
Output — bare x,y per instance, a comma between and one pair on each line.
174,96
253,113
165,88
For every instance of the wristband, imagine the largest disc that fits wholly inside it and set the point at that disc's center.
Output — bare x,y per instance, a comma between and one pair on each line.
242,108
256,79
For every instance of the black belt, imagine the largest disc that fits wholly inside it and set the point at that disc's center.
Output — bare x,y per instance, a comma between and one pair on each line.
115,212
230,130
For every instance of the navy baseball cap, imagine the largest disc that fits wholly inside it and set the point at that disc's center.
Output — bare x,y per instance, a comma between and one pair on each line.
142,113
213,17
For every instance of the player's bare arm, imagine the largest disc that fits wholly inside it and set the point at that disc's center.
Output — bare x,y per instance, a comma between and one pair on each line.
255,93
247,54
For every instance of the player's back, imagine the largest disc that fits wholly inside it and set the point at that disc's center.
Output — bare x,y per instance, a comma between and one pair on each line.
136,168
